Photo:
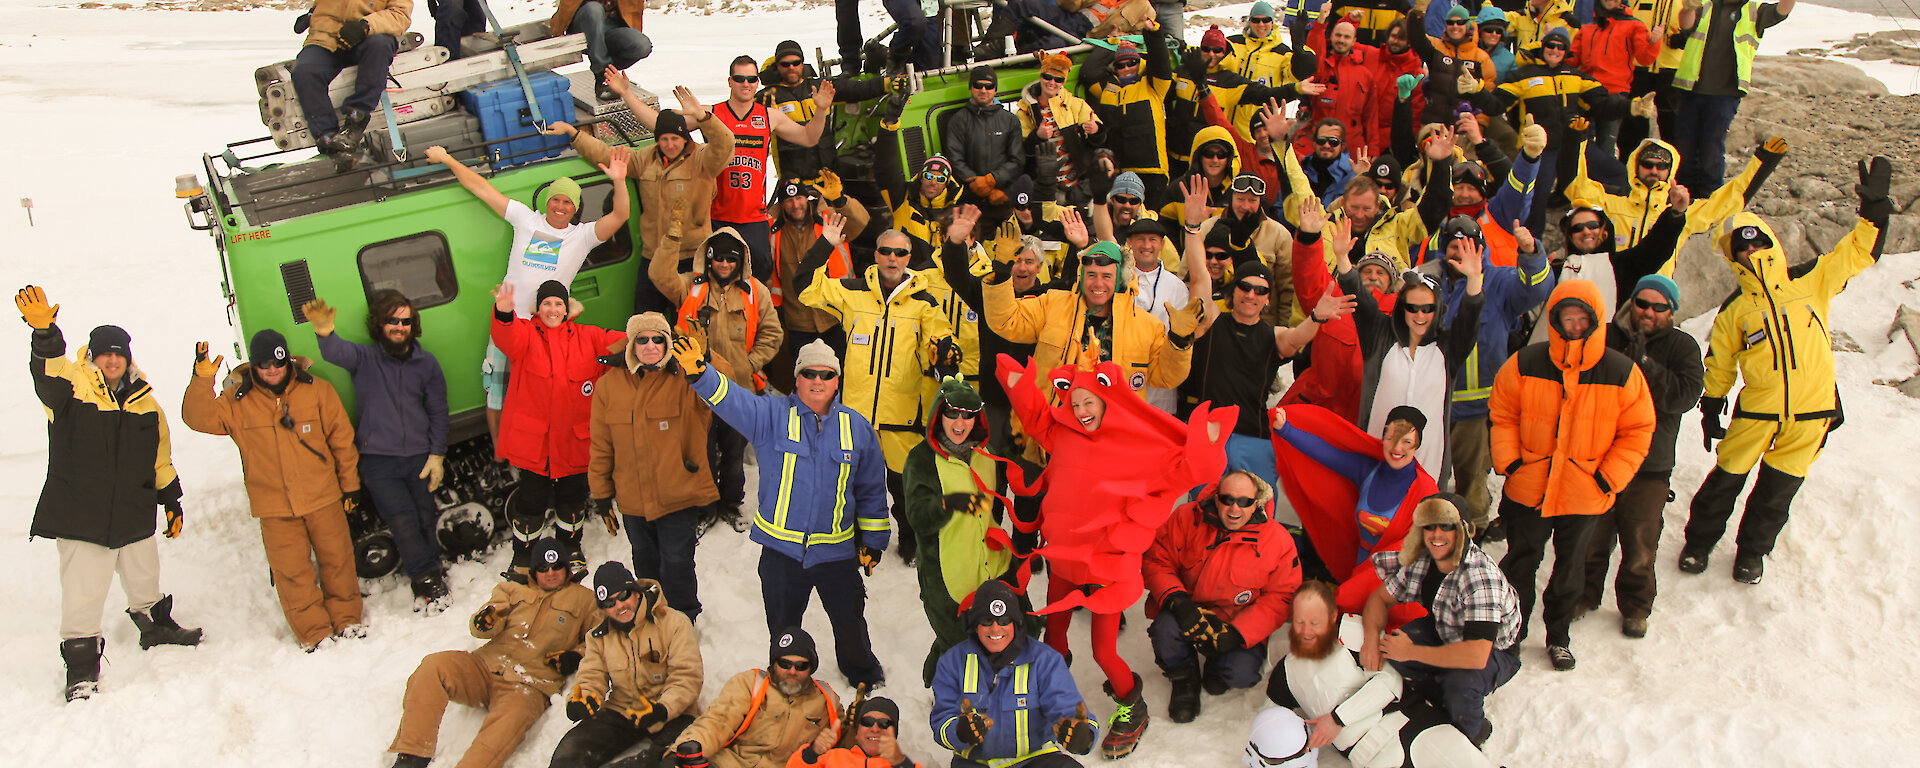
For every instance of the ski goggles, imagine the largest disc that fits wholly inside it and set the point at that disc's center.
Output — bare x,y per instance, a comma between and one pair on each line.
1249,184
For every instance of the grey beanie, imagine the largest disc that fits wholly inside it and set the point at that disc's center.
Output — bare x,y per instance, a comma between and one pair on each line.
816,354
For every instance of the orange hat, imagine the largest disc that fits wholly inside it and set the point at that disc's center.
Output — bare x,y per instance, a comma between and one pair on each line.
1056,64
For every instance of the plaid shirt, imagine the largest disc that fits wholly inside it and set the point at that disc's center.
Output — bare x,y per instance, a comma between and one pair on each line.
1475,591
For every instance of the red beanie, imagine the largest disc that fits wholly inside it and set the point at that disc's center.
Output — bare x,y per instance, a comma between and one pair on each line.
1214,38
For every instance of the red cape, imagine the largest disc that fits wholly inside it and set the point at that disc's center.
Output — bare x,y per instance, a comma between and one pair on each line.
1326,500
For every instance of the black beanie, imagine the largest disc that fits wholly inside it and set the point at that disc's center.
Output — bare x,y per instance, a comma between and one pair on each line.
983,73
880,705
671,121
1252,269
267,345
793,641
788,48
1411,415
109,338
552,288
993,599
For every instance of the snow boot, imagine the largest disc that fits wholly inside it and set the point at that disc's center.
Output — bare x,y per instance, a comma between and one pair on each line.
1212,682
1634,627
1693,559
430,593
1561,656
1183,705
411,761
1496,532
601,90
157,626
1129,722
1486,732
82,655
1747,569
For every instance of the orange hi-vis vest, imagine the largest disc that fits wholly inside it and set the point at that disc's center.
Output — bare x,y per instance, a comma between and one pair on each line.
839,265
697,298
760,697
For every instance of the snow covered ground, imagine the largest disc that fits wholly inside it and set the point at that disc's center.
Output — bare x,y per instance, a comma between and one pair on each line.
1818,666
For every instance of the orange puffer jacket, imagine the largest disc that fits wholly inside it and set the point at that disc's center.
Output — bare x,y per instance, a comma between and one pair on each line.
1572,420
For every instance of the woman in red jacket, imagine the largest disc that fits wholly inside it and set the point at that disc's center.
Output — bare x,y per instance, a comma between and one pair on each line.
544,428
1222,575
1608,50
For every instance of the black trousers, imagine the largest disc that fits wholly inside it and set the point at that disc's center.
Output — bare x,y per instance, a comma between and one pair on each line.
598,739
527,510
786,587
1527,537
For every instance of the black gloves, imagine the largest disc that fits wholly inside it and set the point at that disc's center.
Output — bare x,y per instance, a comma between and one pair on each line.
869,557
604,508
582,704
1229,639
1710,410
484,619
353,33
176,519
302,22
946,356
1075,733
1876,176
565,662
973,726
1185,612
354,500
1772,150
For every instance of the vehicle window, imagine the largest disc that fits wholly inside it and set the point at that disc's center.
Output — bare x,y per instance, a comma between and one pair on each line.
419,266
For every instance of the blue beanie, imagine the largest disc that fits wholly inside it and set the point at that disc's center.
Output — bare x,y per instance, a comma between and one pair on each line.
1129,183
1262,9
1663,284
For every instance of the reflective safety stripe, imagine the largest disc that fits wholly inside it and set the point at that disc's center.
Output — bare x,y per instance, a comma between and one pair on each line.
1020,674
839,528
971,681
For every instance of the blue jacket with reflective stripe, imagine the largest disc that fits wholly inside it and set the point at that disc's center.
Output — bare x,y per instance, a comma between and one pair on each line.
1023,699
823,480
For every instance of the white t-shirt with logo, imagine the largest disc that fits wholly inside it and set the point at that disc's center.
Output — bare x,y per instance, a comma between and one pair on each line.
541,253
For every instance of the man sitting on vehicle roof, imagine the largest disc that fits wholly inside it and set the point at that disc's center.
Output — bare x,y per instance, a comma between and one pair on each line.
342,34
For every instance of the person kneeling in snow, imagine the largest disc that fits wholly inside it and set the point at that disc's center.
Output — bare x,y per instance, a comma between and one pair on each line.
999,676
640,674
1223,574
533,632
1359,712
762,718
1463,648
875,741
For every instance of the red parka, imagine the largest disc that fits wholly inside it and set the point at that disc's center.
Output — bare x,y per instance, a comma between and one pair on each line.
1334,379
1349,97
1246,577
1388,68
544,425
1609,49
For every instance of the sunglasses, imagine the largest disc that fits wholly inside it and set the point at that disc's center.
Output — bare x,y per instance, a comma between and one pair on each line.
1259,19
820,374
1218,255
1656,165
998,621
1211,49
1328,141
1257,290
956,412
870,721
1448,527
1456,22
1128,64
270,364
1102,260
1214,154
983,86
1657,306
1586,225
1252,185
1054,78
724,258
1228,500
892,251
934,176
1552,47
791,63
540,568
660,340
1386,186
798,666
1123,200
1419,309
615,598
404,322
743,78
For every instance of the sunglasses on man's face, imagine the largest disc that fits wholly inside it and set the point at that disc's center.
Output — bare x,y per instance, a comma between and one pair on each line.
616,598
887,250
1228,500
1214,155
984,86
1419,309
1456,22
1552,47
743,78
1123,200
1254,288
820,374
724,258
540,568
998,621
1657,306
1259,19
798,666
1054,78
870,721
935,177
270,364
1327,141
1448,527
1655,165
791,63
660,340
1102,260
404,322
1586,225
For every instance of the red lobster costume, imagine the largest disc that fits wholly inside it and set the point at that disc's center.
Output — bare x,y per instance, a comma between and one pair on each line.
1327,512
1113,488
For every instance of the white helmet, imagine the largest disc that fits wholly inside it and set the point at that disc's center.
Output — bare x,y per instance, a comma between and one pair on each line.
1279,740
